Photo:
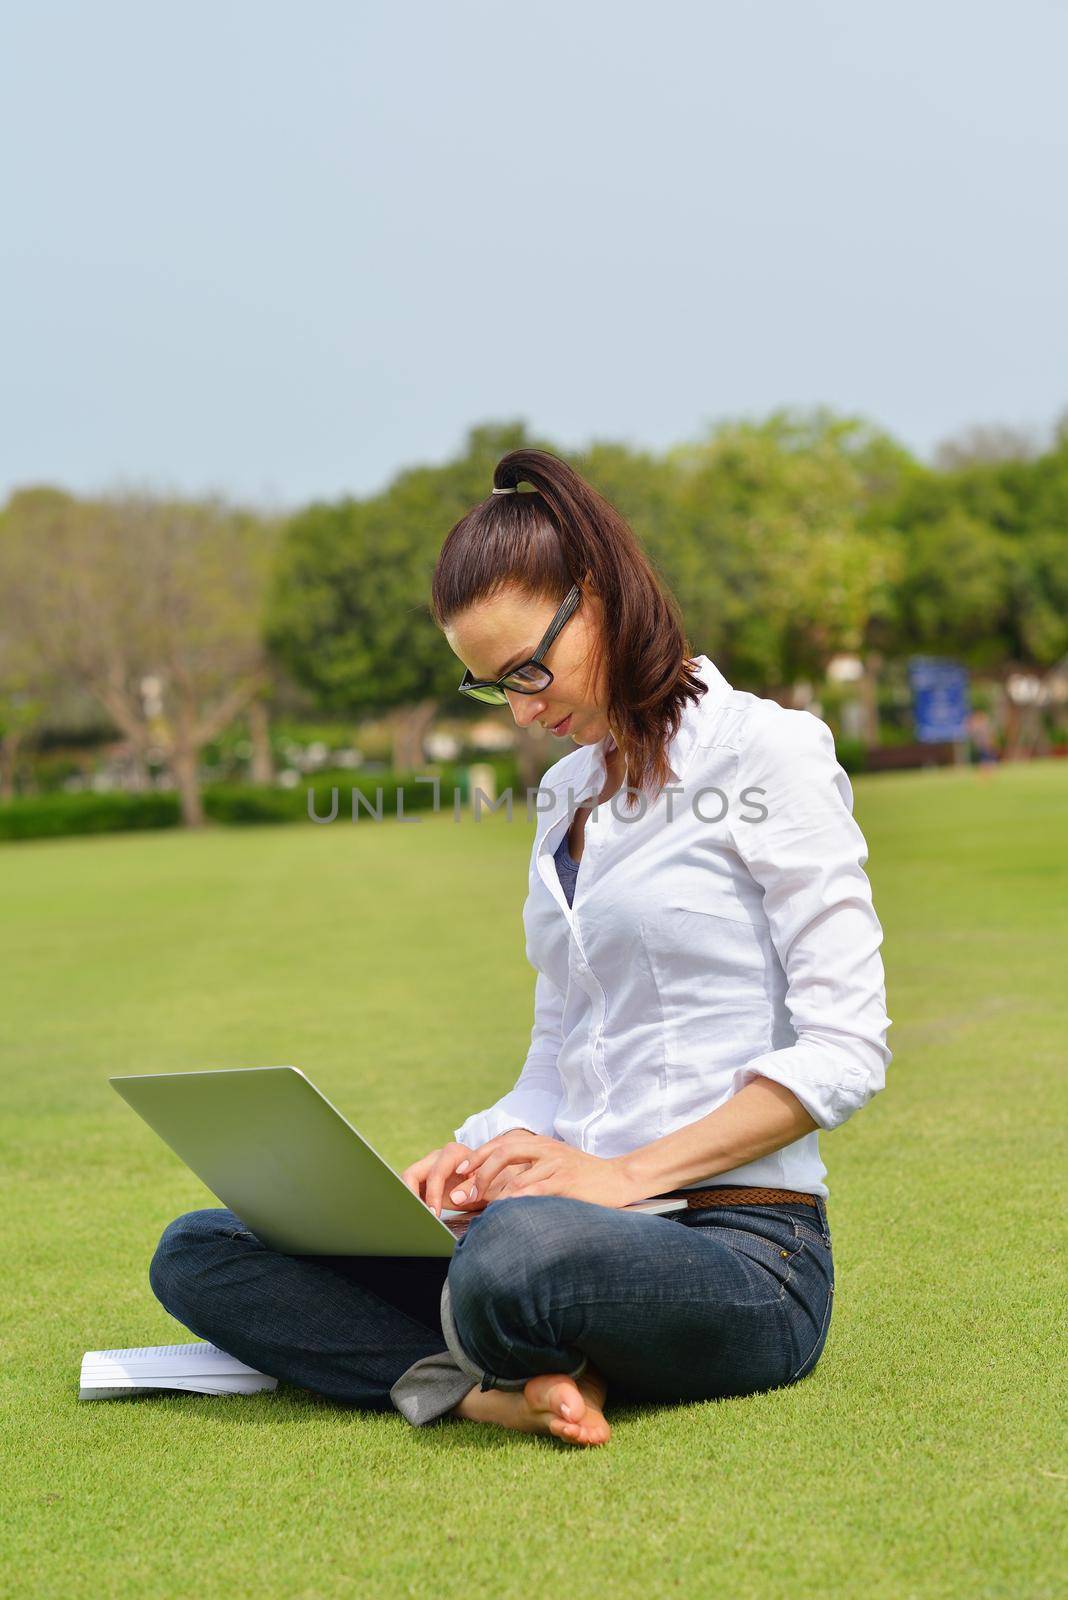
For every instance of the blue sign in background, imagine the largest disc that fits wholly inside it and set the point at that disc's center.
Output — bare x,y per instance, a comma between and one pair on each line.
939,698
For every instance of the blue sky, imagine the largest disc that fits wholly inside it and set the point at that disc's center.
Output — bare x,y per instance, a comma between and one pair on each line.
280,251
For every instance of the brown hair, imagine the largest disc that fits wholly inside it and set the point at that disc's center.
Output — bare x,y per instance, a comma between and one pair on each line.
566,534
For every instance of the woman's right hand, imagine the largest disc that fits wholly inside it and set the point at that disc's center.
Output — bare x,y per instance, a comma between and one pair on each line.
434,1173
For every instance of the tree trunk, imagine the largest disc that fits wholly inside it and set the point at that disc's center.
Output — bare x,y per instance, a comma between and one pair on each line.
1013,723
262,768
411,724
139,781
1030,738
184,764
869,697
530,755
9,755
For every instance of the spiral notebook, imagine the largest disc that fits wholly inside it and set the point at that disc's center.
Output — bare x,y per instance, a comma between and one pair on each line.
195,1368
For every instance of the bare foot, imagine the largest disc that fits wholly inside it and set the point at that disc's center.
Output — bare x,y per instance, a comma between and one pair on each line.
568,1408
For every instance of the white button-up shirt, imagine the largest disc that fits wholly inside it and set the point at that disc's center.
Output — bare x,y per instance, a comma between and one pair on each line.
724,932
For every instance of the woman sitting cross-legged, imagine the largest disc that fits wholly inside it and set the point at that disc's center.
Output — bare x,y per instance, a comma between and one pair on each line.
709,995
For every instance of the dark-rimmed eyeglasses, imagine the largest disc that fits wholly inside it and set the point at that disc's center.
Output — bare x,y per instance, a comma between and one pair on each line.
529,677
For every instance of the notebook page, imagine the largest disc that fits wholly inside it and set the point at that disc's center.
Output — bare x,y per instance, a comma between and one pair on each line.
178,1360
95,1391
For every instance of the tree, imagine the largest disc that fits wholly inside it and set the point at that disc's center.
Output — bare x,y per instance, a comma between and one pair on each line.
154,606
986,572
27,684
348,612
986,442
954,592
777,564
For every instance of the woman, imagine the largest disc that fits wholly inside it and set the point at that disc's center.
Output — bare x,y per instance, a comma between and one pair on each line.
709,994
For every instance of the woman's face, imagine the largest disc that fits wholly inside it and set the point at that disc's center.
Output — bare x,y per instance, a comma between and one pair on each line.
495,635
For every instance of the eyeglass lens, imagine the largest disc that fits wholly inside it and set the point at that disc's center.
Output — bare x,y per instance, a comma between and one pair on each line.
527,679
530,676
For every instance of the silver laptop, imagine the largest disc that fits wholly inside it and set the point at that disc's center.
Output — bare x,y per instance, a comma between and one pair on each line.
279,1155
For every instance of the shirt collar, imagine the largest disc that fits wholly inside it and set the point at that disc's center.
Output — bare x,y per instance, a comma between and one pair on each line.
591,764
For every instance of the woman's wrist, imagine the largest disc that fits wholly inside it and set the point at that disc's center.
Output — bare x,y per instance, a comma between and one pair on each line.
652,1170
641,1175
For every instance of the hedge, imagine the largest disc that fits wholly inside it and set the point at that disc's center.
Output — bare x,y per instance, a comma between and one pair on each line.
51,816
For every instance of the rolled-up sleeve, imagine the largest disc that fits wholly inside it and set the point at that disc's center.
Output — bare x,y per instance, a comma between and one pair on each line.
808,856
533,1102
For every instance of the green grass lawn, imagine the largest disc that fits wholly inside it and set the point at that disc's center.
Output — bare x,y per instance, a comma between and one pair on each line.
921,1458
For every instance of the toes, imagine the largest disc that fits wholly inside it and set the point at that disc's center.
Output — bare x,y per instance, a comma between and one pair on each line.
566,1394
591,1433
567,1433
548,1392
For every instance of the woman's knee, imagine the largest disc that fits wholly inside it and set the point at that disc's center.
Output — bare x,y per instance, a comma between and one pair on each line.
187,1245
517,1246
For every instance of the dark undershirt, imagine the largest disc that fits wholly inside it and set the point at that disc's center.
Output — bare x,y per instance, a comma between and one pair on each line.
566,865
567,868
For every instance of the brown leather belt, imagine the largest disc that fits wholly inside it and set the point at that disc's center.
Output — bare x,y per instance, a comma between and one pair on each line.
697,1199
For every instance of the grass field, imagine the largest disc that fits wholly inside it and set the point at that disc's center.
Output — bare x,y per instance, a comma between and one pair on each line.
921,1458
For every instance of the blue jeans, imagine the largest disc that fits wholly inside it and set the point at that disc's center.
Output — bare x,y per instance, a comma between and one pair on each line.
693,1306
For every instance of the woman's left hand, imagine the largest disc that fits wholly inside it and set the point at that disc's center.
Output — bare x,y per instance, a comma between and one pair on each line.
552,1168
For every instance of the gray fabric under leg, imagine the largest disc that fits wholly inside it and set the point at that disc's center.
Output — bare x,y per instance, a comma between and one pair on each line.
430,1388
433,1385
